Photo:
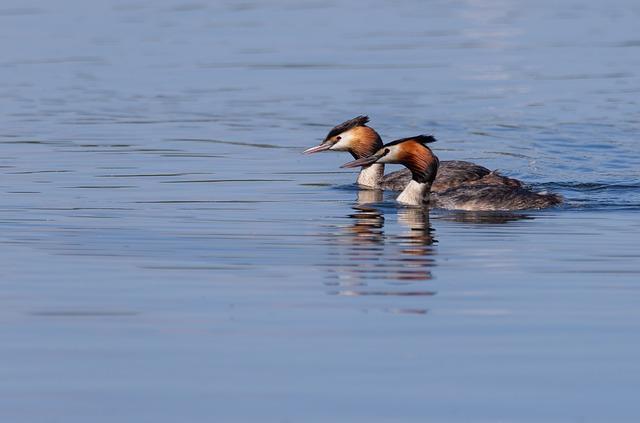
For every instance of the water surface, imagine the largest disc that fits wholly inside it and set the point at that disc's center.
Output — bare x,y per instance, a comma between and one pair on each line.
169,255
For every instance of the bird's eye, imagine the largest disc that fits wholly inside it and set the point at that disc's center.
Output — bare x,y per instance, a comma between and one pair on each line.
338,138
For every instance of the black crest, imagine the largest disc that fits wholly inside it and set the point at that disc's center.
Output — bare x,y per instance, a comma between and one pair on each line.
422,139
345,126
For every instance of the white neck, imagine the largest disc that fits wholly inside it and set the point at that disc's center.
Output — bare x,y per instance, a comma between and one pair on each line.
415,194
371,176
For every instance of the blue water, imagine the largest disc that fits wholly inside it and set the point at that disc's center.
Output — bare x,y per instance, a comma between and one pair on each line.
167,254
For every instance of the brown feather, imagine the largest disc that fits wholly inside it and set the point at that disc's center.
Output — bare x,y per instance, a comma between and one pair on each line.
368,142
420,160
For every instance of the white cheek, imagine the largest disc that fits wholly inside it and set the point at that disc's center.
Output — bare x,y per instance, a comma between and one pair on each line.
343,144
390,157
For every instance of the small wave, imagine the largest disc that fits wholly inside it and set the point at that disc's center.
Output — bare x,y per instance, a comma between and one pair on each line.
596,205
596,195
587,186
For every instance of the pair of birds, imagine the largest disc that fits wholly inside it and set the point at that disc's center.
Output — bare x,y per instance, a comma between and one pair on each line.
451,184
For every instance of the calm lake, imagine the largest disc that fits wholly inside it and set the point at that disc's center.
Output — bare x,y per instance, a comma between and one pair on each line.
169,255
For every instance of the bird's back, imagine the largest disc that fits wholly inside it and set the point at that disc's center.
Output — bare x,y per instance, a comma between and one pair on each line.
451,173
478,197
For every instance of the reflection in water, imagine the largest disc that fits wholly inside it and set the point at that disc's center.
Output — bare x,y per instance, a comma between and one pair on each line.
368,222
366,261
416,244
484,217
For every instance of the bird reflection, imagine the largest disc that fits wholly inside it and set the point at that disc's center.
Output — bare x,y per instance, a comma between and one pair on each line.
416,244
496,217
364,260
368,221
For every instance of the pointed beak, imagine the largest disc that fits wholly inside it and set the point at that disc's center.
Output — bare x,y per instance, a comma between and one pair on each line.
365,161
322,147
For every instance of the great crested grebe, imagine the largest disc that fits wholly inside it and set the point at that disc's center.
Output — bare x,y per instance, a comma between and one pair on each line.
355,137
475,195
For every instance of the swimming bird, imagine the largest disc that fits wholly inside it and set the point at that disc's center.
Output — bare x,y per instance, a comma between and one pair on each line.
355,137
419,160
422,164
